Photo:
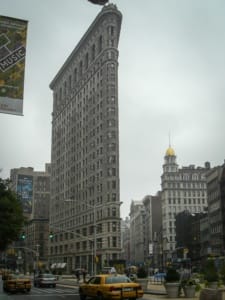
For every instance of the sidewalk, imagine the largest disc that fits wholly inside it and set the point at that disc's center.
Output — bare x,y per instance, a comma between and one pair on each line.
156,291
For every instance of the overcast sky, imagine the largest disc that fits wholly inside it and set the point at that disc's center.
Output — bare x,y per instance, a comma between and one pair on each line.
171,79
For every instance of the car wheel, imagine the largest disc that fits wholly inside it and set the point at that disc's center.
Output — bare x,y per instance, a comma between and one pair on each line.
82,295
100,296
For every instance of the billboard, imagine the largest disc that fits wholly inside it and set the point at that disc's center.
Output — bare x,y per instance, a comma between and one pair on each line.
25,191
13,33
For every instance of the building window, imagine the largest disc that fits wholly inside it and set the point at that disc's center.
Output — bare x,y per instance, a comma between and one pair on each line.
114,241
93,52
75,75
100,44
114,212
65,88
86,61
114,226
70,82
80,68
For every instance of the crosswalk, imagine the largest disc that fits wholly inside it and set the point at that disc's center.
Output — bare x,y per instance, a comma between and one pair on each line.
54,291
45,291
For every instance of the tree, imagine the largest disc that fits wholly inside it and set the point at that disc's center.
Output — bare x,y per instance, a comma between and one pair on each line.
11,215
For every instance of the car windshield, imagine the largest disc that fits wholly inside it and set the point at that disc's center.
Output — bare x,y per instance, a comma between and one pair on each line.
47,275
117,279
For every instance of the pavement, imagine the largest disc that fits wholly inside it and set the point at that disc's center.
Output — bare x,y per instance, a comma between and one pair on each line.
154,291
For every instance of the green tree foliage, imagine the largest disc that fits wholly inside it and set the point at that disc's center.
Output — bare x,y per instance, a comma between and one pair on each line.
210,271
172,275
141,272
11,215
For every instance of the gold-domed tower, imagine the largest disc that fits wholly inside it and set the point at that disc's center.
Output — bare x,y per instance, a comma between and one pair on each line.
170,151
170,164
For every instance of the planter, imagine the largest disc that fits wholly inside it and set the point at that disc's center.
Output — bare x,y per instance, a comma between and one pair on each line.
143,282
172,289
213,285
189,291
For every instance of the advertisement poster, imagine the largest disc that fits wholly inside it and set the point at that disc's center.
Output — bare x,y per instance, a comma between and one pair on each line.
13,33
25,191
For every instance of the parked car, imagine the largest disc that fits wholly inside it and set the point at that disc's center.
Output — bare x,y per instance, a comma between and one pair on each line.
159,276
109,286
15,283
5,274
45,280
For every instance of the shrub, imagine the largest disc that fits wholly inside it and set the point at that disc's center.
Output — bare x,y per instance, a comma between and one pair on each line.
172,275
222,272
142,273
191,282
210,272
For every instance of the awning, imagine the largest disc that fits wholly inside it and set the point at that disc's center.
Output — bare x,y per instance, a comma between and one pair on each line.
58,265
53,266
61,265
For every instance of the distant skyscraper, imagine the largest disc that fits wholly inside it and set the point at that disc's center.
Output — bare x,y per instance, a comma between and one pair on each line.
85,202
182,189
145,224
33,189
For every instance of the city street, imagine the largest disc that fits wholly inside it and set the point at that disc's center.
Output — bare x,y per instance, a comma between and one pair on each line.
60,292
39,293
52,293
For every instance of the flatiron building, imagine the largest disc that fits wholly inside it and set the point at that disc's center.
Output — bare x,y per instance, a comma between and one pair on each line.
85,198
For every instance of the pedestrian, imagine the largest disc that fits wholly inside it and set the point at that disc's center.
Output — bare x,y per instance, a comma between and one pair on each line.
77,273
84,273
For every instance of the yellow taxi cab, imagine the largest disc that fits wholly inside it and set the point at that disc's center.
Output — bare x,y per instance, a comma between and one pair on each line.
14,283
5,274
110,286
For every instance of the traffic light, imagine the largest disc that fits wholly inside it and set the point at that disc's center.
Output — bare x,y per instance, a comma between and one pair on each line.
23,235
51,235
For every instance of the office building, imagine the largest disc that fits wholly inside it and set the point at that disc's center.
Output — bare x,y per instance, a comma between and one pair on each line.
215,189
182,189
85,198
33,189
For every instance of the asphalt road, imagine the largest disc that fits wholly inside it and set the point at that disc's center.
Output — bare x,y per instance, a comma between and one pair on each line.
57,293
